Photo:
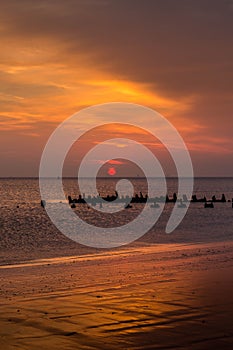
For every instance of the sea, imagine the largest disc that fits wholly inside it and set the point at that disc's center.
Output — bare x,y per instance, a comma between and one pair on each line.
27,233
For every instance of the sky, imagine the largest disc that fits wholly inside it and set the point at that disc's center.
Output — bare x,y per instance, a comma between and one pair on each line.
59,56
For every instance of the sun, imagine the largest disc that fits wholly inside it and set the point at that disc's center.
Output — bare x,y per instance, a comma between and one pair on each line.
112,171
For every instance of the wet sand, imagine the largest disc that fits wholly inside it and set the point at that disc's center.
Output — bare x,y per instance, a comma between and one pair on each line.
153,297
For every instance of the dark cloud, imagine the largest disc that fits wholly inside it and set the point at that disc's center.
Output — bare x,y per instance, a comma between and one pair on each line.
179,47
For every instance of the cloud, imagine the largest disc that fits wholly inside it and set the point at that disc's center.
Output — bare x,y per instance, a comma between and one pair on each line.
165,43
180,48
111,162
15,87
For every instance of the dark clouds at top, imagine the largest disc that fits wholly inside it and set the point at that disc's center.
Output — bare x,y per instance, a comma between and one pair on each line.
180,47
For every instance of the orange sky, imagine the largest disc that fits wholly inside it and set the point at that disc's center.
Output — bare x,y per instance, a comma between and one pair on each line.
60,56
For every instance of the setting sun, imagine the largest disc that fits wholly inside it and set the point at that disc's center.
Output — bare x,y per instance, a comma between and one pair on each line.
111,171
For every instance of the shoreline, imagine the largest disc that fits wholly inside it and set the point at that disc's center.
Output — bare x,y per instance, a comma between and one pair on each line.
137,247
143,298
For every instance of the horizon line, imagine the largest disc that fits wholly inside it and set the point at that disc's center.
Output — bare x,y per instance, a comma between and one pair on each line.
118,177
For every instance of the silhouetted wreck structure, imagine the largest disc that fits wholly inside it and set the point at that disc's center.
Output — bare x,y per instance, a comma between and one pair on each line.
140,198
212,200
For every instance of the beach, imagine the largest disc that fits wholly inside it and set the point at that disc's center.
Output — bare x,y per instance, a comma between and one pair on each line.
169,296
